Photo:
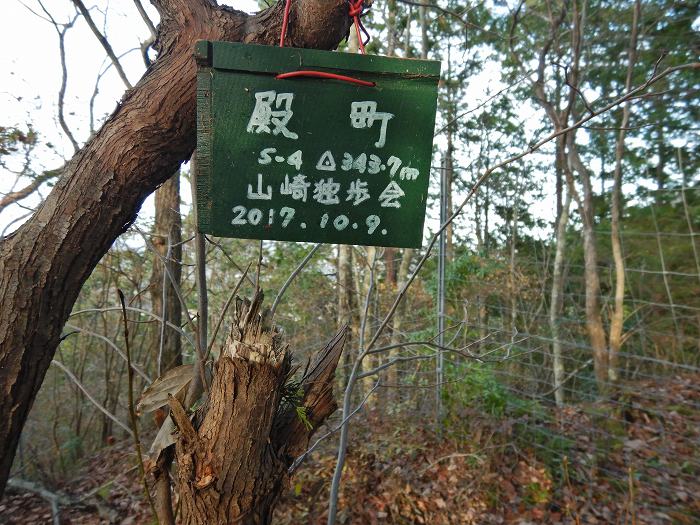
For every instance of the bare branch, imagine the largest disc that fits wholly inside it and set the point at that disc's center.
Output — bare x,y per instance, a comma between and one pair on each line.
96,90
132,407
110,343
103,41
16,196
291,278
224,310
178,292
298,461
90,398
155,317
230,259
146,19
64,72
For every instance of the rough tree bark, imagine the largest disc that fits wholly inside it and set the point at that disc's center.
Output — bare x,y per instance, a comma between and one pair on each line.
152,131
232,467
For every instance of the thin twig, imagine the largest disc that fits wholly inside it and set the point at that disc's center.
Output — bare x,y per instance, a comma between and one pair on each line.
178,292
137,310
567,378
147,20
229,258
199,381
132,409
164,301
110,343
257,273
92,400
103,41
223,312
298,461
64,73
291,278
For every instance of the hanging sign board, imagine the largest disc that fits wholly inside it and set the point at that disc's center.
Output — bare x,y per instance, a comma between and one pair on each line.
313,159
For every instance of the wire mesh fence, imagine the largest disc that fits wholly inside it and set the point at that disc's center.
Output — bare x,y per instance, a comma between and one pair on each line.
634,438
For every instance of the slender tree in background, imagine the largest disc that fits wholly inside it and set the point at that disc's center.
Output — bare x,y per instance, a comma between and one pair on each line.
167,240
556,302
563,33
347,313
617,318
556,43
348,300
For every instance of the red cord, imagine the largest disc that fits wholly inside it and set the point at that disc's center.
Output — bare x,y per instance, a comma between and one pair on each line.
285,22
321,74
355,10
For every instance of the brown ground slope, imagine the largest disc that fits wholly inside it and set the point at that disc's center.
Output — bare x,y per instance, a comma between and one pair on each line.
634,460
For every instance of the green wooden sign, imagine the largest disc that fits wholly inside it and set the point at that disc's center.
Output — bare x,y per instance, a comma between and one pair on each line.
313,159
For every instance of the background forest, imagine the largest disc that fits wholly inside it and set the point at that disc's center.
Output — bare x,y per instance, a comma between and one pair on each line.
542,367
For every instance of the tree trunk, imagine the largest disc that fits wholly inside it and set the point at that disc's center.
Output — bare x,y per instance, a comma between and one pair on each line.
512,294
449,159
422,15
347,303
44,264
594,320
233,466
487,206
167,239
557,301
660,169
397,324
407,37
617,320
391,28
368,293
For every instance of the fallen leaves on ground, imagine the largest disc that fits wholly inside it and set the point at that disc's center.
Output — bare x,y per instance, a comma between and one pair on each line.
631,460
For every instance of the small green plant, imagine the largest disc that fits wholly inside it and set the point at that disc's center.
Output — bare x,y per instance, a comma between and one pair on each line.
536,493
478,388
293,395
301,414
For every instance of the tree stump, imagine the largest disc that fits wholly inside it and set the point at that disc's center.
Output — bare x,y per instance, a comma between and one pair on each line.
234,454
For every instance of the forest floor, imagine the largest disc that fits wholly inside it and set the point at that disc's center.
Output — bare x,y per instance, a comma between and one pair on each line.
634,460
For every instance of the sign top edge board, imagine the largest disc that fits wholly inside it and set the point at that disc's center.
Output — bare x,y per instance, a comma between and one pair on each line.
275,60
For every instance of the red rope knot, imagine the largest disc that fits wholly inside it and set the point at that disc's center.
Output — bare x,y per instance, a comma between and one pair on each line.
356,7
356,10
